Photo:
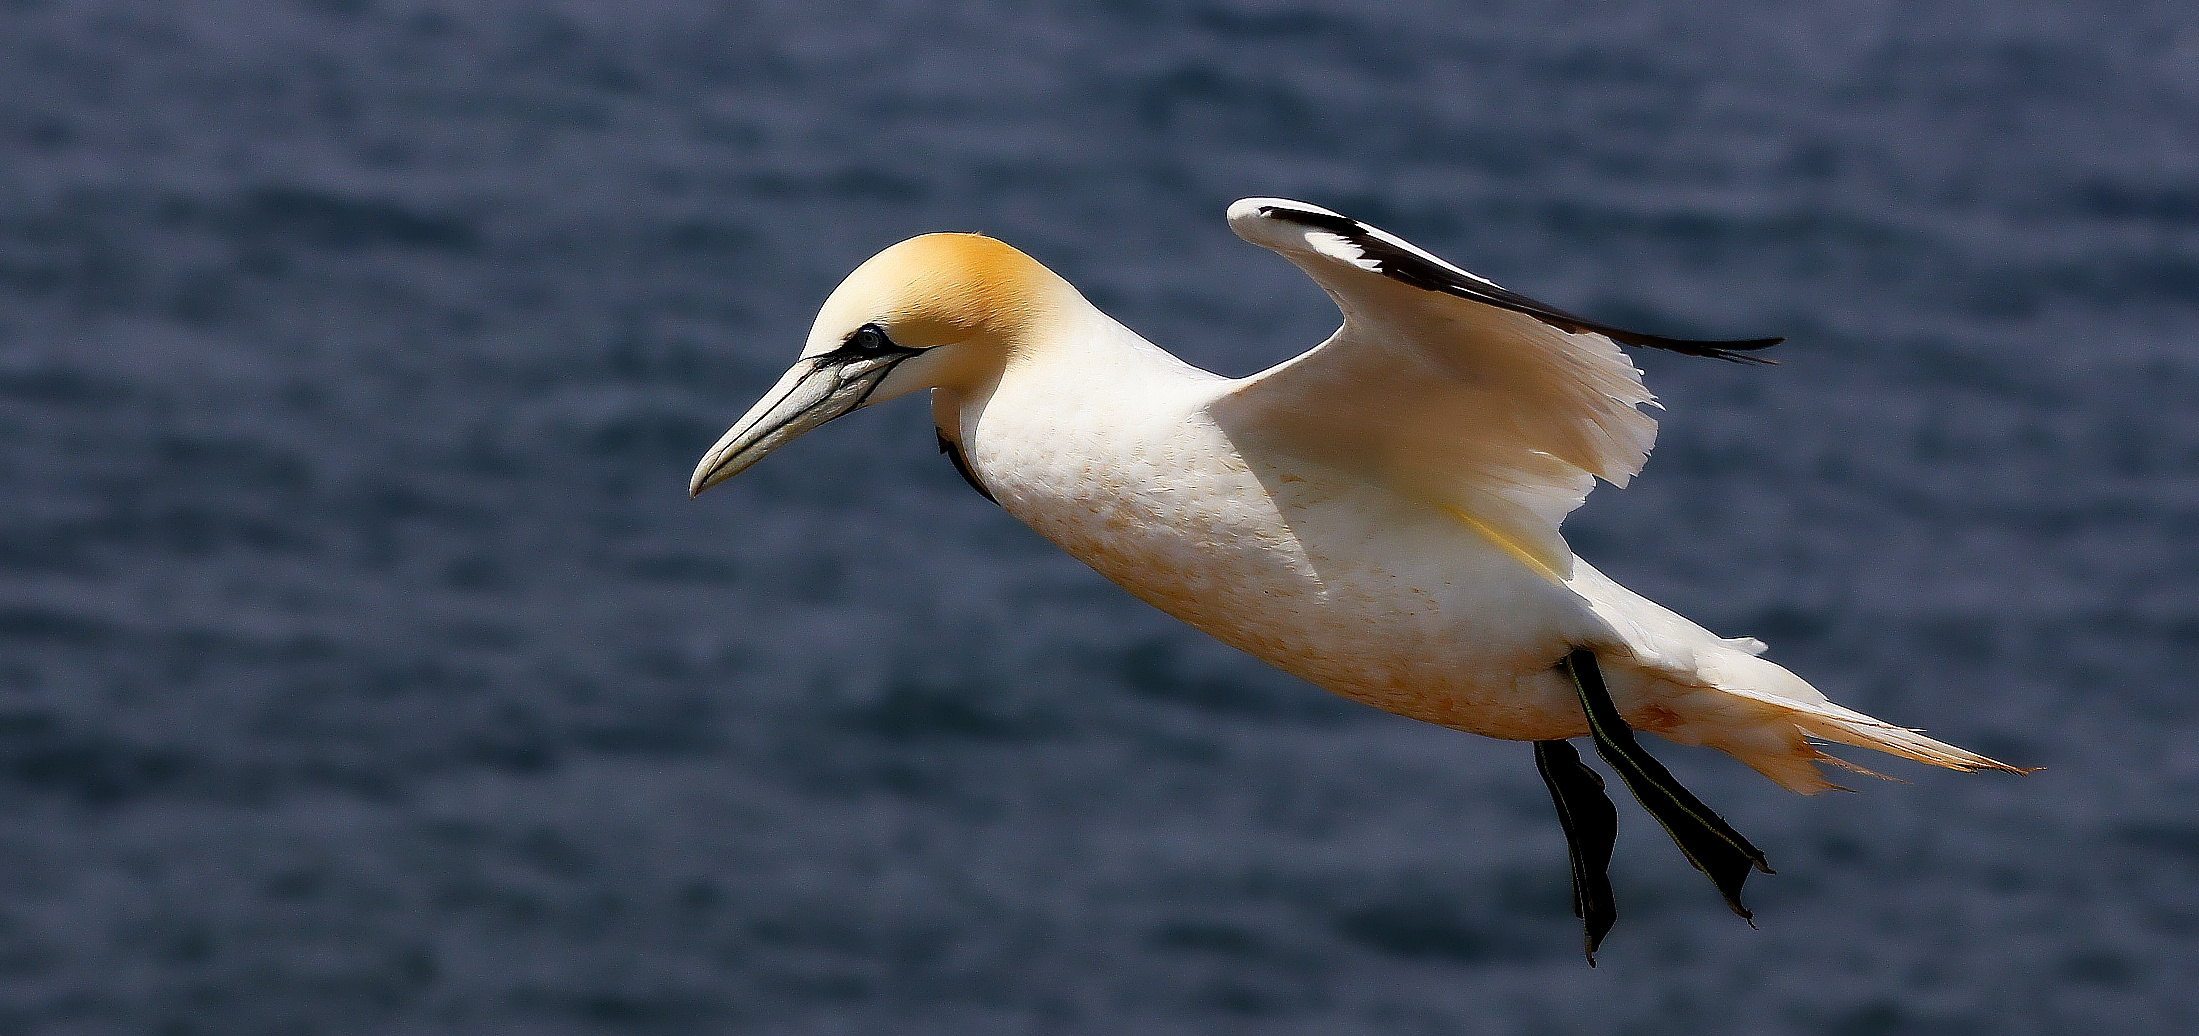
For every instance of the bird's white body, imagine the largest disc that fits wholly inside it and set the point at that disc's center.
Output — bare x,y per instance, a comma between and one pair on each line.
1347,584
1378,516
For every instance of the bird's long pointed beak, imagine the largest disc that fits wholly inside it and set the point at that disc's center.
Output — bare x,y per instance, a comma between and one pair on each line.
815,390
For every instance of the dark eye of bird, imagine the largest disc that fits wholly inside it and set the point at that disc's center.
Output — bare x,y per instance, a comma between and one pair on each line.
867,340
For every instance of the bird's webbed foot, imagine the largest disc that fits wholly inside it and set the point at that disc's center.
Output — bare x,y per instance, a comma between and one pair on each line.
1709,843
1591,826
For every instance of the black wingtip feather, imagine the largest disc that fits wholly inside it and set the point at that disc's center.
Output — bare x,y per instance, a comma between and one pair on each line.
1404,266
1732,352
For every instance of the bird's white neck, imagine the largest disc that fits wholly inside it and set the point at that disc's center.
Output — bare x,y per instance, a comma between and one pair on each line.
1075,365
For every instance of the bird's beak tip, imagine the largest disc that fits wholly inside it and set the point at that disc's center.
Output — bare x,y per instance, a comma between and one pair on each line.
702,480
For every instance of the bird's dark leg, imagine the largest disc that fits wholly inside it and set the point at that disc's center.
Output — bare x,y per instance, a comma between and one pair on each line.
1591,826
1714,847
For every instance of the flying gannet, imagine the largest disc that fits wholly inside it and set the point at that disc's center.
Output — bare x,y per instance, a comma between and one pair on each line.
1378,516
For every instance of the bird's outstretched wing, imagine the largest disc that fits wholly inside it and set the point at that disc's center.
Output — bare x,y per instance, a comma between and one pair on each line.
1446,386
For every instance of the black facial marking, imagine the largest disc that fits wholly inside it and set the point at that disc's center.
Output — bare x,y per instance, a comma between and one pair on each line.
953,450
867,340
867,343
1400,265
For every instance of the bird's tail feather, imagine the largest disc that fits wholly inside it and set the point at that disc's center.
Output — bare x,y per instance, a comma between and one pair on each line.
1719,693
1789,703
1865,732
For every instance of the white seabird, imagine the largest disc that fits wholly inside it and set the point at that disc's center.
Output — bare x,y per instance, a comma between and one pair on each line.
1378,516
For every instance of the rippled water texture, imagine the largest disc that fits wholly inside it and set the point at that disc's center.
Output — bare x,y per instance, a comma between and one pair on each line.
364,667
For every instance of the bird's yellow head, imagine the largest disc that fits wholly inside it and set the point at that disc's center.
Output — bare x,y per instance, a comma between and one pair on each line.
937,311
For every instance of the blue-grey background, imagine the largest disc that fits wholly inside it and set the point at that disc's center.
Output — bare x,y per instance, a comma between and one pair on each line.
364,667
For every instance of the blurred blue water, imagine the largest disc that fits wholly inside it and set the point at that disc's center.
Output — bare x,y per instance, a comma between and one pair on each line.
363,667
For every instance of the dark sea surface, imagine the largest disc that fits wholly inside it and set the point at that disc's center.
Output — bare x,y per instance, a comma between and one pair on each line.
364,667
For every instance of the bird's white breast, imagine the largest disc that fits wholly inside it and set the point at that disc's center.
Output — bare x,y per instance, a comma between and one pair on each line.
1363,592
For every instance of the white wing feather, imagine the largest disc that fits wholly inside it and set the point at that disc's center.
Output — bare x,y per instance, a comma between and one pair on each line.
1489,411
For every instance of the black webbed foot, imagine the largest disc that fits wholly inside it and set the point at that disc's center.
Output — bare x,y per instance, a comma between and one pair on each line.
1709,843
1591,826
